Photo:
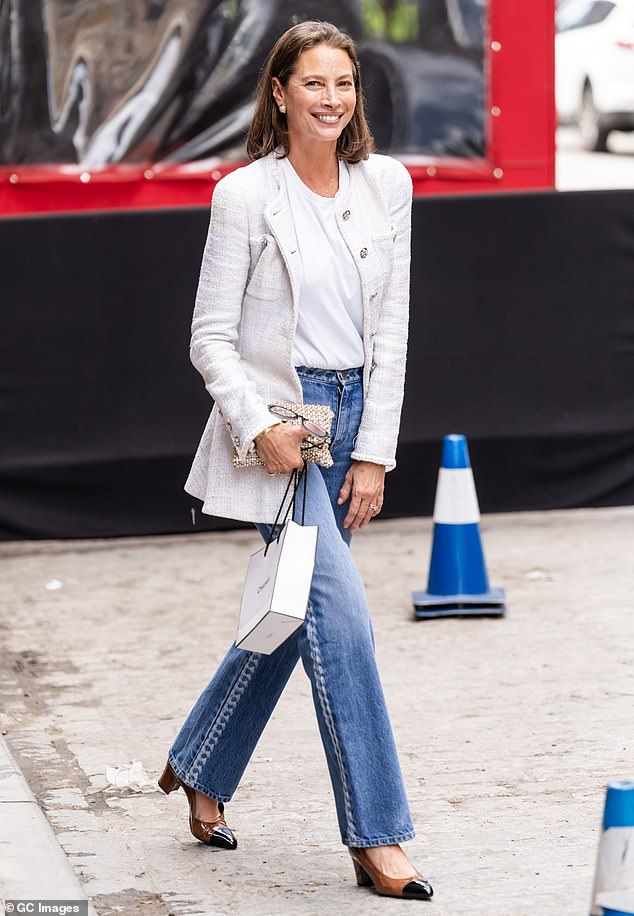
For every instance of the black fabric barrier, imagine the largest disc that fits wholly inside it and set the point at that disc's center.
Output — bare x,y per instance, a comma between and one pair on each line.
521,337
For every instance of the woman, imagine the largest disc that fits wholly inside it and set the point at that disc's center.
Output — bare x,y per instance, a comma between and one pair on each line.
303,297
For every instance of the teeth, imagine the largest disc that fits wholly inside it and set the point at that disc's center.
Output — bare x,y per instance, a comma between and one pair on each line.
329,119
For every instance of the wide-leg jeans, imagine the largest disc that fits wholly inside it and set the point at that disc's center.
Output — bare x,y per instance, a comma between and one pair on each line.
336,646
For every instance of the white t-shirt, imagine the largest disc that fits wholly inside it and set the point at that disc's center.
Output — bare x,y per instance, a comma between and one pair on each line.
329,332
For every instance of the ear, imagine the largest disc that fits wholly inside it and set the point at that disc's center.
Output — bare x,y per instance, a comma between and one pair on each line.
278,92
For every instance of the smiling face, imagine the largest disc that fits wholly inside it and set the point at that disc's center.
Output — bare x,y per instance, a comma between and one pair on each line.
320,96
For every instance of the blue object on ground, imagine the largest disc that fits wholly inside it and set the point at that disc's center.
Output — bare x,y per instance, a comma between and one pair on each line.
458,583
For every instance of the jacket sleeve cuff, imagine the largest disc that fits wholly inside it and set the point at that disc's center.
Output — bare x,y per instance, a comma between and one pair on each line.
244,446
242,438
388,463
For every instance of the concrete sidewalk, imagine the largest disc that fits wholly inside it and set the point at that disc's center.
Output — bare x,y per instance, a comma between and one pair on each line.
508,729
32,863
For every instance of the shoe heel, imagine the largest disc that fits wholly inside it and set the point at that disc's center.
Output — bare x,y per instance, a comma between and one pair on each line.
363,878
168,781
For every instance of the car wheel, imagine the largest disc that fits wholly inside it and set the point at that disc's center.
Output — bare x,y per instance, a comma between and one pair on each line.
594,136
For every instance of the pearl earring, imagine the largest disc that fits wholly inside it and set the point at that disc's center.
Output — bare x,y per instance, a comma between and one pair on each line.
282,108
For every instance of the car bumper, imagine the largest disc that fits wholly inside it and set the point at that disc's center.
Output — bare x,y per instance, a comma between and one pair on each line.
618,120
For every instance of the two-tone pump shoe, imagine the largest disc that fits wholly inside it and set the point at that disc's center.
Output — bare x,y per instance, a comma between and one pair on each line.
213,833
413,888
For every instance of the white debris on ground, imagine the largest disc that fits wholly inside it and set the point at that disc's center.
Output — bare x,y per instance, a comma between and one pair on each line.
132,776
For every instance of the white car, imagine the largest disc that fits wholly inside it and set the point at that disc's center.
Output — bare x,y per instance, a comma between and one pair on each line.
594,66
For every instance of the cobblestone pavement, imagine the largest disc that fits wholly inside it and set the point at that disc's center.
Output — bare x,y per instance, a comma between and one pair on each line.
508,729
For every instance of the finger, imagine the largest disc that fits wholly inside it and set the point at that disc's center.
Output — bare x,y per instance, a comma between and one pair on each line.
366,521
284,462
364,515
351,516
281,458
295,431
367,511
291,461
344,492
372,513
358,509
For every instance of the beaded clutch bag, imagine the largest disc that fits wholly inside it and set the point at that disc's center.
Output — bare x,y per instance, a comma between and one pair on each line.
313,448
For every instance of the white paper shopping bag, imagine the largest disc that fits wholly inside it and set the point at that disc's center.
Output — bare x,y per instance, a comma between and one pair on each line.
276,590
278,583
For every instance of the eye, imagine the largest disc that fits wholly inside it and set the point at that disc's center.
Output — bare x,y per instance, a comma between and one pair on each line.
312,83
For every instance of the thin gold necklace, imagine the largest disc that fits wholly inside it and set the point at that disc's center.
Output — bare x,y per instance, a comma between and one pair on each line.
313,187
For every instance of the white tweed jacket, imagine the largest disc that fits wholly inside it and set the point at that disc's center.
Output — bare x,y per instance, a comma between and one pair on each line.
246,313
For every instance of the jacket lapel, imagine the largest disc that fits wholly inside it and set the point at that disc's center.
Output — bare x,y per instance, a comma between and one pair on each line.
279,219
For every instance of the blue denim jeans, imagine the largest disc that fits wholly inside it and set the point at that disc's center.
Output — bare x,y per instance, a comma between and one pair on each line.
336,646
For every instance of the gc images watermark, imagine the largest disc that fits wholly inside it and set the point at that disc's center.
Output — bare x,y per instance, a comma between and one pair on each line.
59,907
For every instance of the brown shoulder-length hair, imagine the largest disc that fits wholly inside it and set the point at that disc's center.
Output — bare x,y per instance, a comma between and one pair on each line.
269,128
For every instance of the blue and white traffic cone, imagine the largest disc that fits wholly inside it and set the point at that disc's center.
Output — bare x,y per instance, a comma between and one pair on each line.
613,893
458,584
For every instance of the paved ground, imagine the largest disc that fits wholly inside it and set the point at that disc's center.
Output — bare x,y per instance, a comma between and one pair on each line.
508,729
578,170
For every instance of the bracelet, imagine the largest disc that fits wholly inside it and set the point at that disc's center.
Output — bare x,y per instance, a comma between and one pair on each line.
264,432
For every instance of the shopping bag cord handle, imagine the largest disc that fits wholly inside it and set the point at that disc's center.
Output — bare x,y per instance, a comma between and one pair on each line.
295,478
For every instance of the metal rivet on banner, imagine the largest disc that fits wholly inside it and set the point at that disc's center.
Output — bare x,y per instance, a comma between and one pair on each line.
84,177
13,178
149,174
498,173
216,175
431,170
496,46
496,112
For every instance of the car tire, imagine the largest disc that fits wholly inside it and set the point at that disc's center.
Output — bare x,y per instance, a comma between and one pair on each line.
594,135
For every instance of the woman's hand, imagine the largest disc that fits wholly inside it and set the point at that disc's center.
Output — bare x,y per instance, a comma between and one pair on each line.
279,447
365,480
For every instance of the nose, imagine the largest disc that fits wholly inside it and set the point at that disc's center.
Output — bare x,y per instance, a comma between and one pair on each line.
329,95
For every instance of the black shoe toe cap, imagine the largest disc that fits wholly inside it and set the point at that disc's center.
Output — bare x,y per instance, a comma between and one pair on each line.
418,889
224,838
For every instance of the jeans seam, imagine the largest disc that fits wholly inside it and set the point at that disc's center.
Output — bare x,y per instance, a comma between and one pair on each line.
320,682
224,715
